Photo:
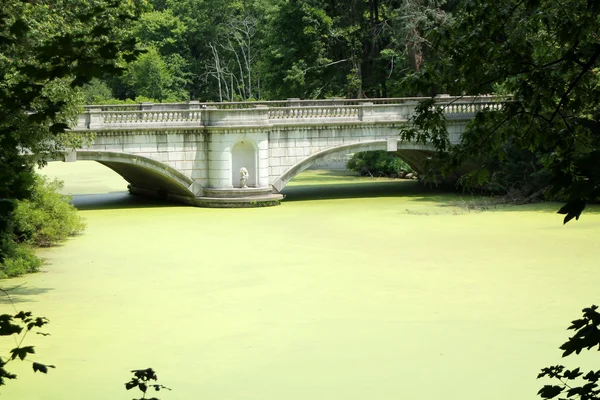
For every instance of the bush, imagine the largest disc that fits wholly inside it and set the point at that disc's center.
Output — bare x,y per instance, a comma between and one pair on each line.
46,218
377,163
20,259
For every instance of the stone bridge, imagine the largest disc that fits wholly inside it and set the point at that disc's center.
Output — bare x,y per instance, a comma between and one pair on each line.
192,152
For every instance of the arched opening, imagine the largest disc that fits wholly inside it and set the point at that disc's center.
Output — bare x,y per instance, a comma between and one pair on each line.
412,154
244,154
141,175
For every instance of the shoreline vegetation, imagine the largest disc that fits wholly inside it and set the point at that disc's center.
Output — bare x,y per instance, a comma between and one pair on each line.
46,219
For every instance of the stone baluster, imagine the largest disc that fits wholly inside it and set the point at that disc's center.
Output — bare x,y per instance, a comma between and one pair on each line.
148,107
192,105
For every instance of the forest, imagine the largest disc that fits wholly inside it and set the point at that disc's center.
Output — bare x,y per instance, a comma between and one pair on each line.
238,50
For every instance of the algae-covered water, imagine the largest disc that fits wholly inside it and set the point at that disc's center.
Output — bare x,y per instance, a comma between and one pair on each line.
352,289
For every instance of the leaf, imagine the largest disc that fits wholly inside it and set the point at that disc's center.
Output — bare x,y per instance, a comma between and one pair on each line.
21,352
572,374
58,128
550,391
7,328
4,374
22,315
572,209
577,324
131,385
43,368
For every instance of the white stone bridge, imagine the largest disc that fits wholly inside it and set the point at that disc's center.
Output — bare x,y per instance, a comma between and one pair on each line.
192,152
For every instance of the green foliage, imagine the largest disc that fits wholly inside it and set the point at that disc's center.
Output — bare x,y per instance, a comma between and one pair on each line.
141,379
163,31
296,63
43,219
48,48
516,173
20,259
545,59
97,92
46,218
153,76
19,325
377,163
573,383
323,48
236,50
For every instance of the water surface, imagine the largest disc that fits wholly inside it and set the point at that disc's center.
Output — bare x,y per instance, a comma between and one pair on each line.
352,289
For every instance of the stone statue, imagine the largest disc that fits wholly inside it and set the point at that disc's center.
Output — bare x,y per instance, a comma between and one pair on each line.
243,177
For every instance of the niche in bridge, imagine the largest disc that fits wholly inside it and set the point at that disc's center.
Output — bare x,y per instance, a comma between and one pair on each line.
244,154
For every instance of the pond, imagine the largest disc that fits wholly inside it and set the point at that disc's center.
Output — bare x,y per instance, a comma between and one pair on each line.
353,288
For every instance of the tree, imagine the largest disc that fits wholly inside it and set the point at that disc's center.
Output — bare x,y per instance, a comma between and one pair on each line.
209,25
48,48
297,62
156,77
19,325
573,383
545,57
356,48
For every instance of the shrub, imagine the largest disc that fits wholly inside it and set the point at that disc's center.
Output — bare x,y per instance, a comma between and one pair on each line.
20,259
46,218
377,163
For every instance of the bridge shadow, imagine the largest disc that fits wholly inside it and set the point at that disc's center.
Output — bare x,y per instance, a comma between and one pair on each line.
329,190
116,201
331,185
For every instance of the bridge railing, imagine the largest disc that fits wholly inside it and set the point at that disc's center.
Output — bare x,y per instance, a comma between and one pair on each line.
277,103
461,108
132,117
196,114
304,112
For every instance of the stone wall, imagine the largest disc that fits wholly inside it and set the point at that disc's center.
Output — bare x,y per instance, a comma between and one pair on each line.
333,163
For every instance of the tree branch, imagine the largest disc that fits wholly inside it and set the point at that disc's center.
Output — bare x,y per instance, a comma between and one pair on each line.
585,69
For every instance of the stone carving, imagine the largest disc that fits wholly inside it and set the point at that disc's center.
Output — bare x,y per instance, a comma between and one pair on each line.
243,177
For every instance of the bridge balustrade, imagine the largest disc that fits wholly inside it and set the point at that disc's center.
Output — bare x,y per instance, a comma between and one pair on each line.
291,111
276,113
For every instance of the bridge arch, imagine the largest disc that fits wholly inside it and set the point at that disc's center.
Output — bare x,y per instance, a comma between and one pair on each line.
145,175
412,154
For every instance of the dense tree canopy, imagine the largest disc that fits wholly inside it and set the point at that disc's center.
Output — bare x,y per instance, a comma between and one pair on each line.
274,49
48,48
544,55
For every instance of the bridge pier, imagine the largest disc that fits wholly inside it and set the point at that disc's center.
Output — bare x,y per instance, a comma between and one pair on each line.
228,151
